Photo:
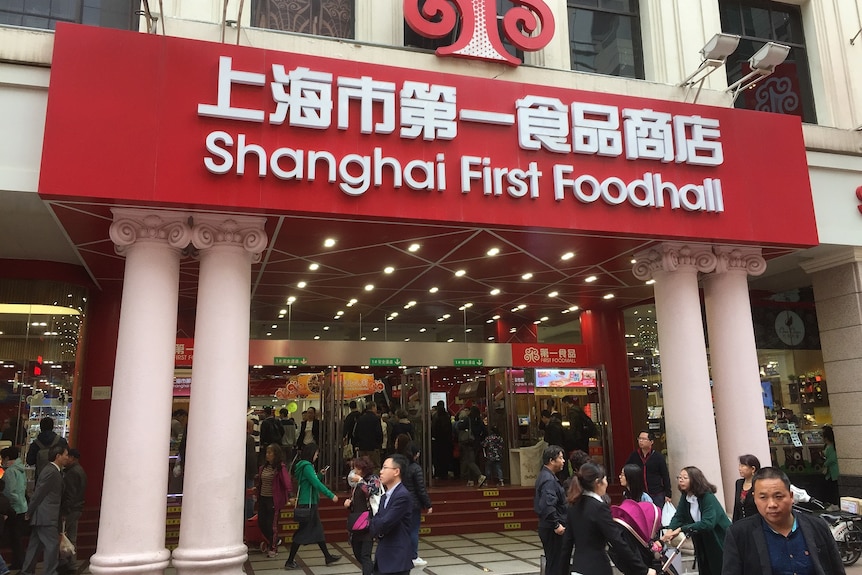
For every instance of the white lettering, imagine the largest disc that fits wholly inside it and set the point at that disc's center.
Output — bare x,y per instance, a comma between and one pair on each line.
227,159
354,185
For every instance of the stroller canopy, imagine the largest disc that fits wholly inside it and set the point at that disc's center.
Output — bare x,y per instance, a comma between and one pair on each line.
641,518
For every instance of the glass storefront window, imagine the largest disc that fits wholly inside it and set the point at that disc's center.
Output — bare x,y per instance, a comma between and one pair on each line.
332,18
605,37
41,325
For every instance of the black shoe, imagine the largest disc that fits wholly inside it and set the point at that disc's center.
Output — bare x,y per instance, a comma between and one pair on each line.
333,559
291,565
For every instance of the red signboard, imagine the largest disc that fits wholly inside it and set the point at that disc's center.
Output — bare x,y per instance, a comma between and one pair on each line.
168,121
184,353
549,355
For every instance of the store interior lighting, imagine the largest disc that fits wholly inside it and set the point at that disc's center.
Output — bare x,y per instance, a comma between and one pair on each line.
762,64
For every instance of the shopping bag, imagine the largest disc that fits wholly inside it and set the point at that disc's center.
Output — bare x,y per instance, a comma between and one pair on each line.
667,513
67,548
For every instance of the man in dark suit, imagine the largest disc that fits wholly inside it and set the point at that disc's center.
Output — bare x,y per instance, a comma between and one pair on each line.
391,525
776,540
44,513
309,432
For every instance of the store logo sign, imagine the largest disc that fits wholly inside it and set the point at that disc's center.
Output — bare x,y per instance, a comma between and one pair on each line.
478,36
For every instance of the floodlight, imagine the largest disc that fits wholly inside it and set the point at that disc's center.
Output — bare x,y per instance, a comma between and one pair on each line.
762,64
720,47
713,55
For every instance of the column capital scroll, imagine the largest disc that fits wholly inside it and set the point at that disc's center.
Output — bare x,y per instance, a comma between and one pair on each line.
732,258
132,225
670,257
240,231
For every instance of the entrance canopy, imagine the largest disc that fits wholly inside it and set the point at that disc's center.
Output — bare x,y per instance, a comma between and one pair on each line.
432,191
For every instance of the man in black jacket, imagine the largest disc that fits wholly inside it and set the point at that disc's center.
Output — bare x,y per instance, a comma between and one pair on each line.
654,468
776,540
368,434
550,505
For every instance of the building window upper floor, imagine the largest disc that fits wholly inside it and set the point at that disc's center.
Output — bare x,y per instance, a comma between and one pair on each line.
46,13
333,18
788,90
605,37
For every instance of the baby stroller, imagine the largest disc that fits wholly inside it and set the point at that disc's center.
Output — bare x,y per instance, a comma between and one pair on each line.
641,522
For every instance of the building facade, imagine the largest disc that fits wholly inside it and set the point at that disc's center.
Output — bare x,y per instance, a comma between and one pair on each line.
169,168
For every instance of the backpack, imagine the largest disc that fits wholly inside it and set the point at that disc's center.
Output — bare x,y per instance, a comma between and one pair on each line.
42,455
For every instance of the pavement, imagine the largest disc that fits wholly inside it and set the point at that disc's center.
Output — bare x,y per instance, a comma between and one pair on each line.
506,553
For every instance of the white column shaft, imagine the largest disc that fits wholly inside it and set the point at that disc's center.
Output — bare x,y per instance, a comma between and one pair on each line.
132,520
737,393
211,537
685,375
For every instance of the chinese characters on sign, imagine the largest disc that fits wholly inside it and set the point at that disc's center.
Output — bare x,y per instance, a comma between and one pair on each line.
307,99
549,355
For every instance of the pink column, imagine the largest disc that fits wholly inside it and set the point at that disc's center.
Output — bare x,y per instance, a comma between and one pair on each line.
735,372
132,523
211,527
688,413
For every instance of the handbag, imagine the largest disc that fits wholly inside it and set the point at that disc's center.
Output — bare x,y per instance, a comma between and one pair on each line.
301,512
359,521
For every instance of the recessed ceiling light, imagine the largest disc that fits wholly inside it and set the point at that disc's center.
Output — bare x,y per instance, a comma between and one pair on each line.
328,242
326,328
314,267
526,276
434,290
388,270
489,321
439,319
460,273
301,285
317,337
393,314
634,261
406,339
281,316
363,338
339,312
493,251
574,308
590,279
413,248
468,305
567,256
553,294
268,334
369,287
495,291
274,326
450,340
522,306
446,316
544,318
468,330
282,311
491,338
537,322
650,282
512,330
495,317
423,330
291,299
608,296
514,309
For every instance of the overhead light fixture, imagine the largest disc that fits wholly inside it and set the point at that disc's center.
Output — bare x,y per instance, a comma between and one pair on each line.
495,291
493,251
762,64
388,269
713,55
414,248
460,273
590,279
328,242
567,256
313,267
526,276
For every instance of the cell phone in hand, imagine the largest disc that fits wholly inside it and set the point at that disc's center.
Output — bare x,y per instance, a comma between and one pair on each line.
325,469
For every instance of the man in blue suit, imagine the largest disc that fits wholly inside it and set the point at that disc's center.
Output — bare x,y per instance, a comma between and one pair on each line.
44,513
391,525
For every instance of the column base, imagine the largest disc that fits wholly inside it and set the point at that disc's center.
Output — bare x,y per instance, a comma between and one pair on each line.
153,563
210,560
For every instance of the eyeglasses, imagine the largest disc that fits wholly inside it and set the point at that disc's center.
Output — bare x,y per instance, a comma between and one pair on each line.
385,467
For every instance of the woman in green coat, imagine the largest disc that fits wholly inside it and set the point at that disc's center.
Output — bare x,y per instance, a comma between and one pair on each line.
309,487
700,515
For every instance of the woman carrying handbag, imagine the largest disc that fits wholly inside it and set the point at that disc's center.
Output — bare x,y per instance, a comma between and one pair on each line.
361,506
273,488
309,488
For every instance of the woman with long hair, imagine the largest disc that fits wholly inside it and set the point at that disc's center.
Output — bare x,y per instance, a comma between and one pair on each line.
590,529
743,500
632,480
308,489
273,487
700,515
366,490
